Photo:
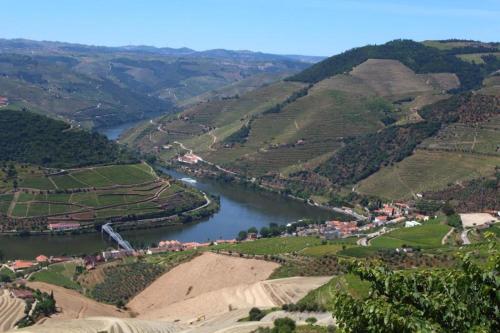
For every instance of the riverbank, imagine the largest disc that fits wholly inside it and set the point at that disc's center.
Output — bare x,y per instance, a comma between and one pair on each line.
241,207
219,174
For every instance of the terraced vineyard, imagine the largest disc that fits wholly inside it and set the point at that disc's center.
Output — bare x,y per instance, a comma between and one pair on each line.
11,310
482,138
84,195
427,170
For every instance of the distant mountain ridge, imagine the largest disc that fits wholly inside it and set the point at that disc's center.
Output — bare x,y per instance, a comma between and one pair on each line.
17,45
99,86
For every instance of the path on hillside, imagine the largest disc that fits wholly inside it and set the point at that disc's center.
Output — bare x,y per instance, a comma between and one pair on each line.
13,203
448,234
214,138
465,237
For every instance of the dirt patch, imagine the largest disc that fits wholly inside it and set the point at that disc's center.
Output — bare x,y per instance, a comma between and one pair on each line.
11,310
203,274
262,294
73,305
476,219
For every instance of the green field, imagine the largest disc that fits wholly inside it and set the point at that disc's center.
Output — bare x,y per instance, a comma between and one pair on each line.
7,272
425,236
323,295
97,192
58,274
427,170
271,246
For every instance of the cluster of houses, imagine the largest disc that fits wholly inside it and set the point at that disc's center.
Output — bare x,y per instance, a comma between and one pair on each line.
176,246
189,158
41,260
328,230
4,101
388,214
63,226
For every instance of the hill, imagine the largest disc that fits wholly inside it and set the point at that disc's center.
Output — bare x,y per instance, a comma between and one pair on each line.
327,129
31,138
52,172
417,56
102,86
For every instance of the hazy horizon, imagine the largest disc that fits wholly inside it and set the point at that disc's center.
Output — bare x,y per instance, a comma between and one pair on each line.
316,28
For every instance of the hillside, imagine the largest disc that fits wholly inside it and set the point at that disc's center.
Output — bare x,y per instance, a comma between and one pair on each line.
328,128
103,86
31,138
52,172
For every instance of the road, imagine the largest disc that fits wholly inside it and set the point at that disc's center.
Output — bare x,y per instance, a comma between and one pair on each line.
365,241
465,237
445,238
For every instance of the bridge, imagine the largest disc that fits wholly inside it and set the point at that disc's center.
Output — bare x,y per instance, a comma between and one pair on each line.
116,237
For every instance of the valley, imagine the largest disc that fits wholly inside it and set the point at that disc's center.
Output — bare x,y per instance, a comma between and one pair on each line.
254,193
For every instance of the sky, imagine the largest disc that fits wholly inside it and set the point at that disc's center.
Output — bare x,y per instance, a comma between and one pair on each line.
309,27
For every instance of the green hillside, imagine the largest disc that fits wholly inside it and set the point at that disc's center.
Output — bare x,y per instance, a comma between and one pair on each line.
31,138
349,122
417,56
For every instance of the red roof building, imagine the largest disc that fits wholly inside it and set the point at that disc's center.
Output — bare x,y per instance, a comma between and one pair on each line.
63,226
41,258
22,264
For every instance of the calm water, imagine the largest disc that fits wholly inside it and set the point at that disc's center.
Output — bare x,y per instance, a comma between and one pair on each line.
113,133
240,209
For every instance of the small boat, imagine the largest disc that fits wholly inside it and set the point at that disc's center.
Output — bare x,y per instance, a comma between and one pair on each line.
188,180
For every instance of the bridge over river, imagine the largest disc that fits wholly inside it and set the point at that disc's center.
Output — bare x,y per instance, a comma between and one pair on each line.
116,237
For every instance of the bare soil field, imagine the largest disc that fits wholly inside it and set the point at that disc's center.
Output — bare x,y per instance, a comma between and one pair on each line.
103,324
203,274
476,219
74,305
262,294
11,310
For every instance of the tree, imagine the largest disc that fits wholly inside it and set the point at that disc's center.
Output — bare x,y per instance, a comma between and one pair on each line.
264,232
253,230
242,235
311,320
463,299
283,325
448,209
255,314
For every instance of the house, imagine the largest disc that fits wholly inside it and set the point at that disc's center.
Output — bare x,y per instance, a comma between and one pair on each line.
4,101
195,245
172,245
410,224
20,265
251,236
90,262
420,217
55,260
332,234
189,158
397,220
41,259
63,226
381,219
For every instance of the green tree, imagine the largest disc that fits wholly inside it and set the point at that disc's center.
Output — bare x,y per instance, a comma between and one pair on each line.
242,235
463,299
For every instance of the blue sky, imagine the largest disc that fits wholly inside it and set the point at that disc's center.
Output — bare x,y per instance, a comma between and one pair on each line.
313,27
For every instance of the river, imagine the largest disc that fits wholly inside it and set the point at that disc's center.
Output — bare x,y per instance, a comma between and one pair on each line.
240,209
